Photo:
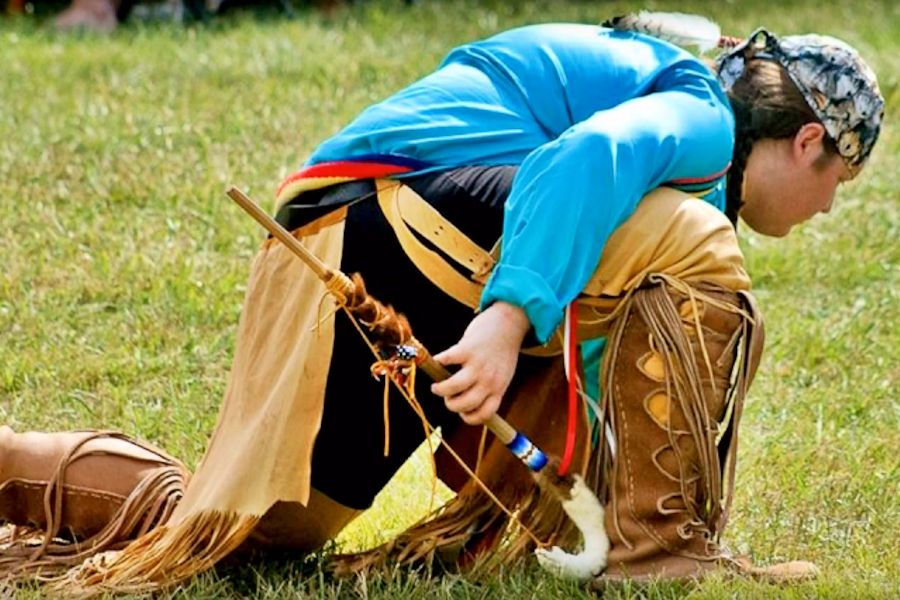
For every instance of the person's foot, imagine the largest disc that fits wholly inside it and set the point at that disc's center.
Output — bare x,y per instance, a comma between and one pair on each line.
89,15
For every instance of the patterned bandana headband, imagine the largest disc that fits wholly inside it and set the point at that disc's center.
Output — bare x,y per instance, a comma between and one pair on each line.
839,87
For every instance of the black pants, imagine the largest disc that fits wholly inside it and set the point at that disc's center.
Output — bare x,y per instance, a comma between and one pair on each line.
348,463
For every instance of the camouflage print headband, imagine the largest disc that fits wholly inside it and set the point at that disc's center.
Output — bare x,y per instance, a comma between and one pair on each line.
839,87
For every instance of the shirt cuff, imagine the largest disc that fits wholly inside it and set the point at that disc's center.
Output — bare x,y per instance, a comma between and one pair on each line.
528,290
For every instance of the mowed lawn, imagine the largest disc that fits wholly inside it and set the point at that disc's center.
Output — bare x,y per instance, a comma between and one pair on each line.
123,265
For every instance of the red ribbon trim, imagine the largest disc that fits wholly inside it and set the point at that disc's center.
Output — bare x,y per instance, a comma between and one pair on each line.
572,425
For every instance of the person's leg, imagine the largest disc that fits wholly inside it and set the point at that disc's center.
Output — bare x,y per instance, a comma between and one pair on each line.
349,466
680,357
97,488
670,361
676,370
473,520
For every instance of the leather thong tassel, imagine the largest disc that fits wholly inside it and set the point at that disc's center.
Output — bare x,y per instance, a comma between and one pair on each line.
678,28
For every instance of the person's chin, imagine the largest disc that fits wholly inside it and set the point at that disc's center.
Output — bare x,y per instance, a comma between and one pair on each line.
770,230
779,233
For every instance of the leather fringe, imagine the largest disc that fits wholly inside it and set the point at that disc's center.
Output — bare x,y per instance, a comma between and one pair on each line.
471,533
165,556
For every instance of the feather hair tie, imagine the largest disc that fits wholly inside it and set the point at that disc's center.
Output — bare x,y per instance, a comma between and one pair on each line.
679,28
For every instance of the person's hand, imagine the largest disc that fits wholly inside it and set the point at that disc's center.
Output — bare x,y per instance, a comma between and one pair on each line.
487,356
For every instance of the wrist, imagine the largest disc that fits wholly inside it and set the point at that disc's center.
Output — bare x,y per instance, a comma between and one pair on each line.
514,317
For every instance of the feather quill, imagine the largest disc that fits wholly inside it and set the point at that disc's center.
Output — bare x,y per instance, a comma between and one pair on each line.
679,28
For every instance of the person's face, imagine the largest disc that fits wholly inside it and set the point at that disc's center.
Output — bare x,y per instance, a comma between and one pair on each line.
787,182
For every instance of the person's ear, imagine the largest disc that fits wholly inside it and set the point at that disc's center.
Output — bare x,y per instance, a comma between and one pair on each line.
808,143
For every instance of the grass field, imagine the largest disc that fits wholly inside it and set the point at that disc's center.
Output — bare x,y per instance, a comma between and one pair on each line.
123,269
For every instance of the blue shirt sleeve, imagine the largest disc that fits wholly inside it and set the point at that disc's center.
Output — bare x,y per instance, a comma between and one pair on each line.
571,193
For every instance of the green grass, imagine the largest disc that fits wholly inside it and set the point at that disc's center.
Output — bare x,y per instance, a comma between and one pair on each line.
123,269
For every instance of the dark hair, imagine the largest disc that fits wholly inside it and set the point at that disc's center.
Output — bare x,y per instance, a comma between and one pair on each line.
766,104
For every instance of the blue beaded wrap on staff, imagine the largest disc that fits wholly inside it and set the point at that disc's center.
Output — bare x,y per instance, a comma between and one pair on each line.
529,454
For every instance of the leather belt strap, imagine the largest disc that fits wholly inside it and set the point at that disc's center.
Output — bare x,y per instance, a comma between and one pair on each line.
430,224
406,212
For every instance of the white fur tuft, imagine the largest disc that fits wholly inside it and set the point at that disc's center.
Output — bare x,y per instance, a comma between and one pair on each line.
586,512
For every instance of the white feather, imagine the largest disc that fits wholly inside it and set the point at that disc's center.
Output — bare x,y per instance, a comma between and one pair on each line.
679,28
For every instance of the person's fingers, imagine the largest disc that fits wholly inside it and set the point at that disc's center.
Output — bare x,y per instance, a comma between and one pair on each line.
485,411
471,418
454,355
456,384
468,402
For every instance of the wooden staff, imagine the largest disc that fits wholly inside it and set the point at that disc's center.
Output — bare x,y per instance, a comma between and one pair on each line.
578,501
